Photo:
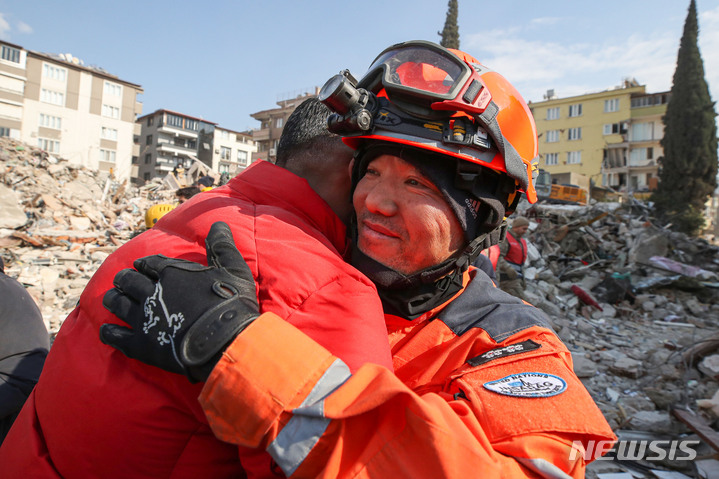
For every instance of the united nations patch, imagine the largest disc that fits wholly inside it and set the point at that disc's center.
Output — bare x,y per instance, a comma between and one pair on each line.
528,385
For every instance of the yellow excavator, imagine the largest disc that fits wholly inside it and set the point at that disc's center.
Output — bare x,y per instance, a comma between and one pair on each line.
558,193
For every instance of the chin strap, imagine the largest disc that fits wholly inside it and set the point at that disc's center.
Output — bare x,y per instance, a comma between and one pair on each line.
410,296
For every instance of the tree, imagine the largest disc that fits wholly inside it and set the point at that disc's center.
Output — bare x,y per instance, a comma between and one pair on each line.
689,166
450,32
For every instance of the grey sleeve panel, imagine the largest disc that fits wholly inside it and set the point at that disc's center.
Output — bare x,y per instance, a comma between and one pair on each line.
484,306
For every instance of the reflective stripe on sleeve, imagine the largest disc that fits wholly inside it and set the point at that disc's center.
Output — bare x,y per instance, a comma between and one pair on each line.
308,423
543,467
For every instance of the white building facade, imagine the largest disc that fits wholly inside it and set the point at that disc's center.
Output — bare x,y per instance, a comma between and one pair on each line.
82,114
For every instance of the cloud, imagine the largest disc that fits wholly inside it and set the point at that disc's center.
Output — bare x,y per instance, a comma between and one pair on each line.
4,27
575,68
23,27
543,21
708,46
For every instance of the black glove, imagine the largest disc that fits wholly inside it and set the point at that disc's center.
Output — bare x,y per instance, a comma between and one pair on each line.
183,314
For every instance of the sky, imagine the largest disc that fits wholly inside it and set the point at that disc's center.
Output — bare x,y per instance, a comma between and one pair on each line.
224,60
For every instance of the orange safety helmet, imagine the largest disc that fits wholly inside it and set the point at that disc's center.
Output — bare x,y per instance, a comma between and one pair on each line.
425,96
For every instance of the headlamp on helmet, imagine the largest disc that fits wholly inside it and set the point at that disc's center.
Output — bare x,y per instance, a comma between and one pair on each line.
423,95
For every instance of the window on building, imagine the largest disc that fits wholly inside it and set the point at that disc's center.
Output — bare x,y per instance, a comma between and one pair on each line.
611,105
193,125
575,110
225,153
108,133
552,136
645,101
52,97
242,157
107,156
224,168
50,121
54,72
150,120
551,158
279,122
192,144
553,113
642,131
4,131
113,89
174,120
614,128
146,176
574,134
10,54
148,140
51,146
574,157
148,158
135,160
110,111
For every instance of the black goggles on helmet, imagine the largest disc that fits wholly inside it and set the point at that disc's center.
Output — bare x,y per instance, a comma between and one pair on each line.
429,74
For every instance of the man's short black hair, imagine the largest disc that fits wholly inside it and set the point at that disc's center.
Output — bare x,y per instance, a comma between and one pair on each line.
305,131
187,192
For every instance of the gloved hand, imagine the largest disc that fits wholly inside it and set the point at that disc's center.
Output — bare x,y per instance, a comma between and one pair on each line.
183,314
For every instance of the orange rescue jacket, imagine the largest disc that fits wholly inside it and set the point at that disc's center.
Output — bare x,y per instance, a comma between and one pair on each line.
482,388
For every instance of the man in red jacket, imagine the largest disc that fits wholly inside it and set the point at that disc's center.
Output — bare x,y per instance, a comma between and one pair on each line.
95,413
512,256
482,387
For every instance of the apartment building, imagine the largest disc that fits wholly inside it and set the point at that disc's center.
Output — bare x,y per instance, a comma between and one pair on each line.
612,137
80,113
631,156
232,151
272,122
170,139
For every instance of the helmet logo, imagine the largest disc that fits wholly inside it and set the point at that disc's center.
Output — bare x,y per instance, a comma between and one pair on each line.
473,206
433,126
387,118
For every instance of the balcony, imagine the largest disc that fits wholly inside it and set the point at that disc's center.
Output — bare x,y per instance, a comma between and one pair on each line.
171,130
176,149
261,135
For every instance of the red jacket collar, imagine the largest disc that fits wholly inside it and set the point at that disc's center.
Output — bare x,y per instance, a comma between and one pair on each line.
279,187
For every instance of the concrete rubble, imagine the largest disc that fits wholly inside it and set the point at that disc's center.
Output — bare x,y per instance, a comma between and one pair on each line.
636,304
59,221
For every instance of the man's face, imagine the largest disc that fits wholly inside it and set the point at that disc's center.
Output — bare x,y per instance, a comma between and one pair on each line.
403,220
519,231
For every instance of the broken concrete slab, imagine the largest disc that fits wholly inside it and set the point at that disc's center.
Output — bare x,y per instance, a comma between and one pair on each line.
12,215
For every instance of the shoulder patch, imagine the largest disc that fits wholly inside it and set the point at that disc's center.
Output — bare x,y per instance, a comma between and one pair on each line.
504,351
528,385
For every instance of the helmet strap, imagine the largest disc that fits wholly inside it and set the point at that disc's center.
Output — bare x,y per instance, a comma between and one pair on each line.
412,295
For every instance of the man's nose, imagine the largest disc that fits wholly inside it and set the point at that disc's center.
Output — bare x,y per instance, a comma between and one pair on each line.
381,199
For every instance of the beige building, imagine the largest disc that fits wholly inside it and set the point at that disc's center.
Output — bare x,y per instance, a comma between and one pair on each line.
232,151
169,139
272,122
80,113
611,137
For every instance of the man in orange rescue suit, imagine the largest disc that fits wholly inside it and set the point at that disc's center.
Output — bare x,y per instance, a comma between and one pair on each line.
512,255
482,386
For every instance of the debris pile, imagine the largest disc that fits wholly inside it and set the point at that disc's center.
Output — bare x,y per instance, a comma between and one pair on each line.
59,221
637,304
638,307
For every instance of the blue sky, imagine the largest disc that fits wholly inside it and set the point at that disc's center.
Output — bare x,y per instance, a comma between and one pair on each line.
224,60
